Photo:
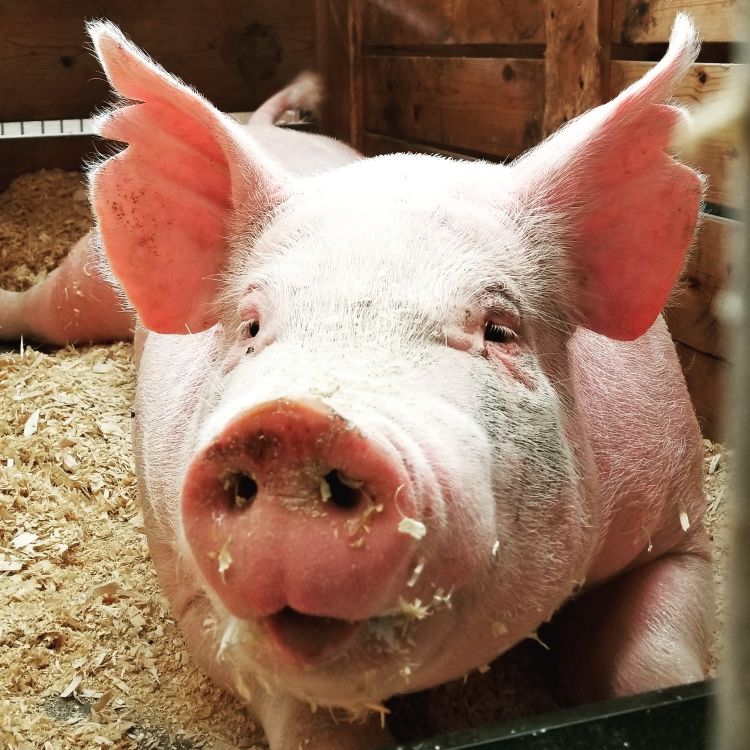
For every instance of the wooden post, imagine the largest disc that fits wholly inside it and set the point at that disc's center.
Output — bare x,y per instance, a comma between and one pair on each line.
573,59
339,36
734,693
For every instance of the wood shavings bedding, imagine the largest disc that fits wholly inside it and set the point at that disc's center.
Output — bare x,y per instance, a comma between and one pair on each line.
83,616
41,216
86,617
89,654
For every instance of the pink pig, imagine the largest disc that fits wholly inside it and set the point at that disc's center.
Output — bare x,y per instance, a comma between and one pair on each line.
394,413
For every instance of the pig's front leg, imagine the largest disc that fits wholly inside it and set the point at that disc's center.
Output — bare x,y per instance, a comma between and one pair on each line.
290,725
72,304
647,629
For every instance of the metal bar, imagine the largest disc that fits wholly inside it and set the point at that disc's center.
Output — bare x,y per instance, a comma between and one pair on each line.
671,719
85,126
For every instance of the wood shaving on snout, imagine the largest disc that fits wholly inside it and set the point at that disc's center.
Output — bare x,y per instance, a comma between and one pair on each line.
83,616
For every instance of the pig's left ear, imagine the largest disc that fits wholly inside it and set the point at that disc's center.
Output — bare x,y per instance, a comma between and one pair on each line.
628,209
165,205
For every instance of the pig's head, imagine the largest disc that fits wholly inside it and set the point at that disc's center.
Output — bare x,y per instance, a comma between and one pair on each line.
381,481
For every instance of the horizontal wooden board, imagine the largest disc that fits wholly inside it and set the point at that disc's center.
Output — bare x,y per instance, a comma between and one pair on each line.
486,105
645,21
716,156
393,22
376,145
693,314
236,53
23,155
707,380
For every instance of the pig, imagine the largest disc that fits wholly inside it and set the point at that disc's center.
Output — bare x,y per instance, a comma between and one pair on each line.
395,413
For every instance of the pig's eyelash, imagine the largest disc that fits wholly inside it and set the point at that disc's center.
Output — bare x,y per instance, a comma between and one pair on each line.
499,334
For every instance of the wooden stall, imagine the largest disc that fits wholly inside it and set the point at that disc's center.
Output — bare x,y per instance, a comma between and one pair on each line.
466,78
472,79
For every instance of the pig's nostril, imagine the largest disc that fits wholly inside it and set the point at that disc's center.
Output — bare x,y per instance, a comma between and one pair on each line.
345,492
242,489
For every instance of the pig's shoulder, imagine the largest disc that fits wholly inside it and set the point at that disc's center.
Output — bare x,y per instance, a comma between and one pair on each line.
635,408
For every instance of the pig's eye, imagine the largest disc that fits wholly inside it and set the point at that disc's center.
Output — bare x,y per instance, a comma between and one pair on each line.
498,334
253,327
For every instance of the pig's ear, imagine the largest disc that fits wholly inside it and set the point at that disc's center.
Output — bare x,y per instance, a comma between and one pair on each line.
628,209
165,205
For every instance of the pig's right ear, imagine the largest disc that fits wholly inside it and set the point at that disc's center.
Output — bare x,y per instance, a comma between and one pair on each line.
165,205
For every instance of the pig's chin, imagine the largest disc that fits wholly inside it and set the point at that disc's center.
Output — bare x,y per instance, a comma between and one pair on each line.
329,662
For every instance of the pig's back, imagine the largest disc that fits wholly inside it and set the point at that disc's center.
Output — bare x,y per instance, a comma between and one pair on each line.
301,154
646,443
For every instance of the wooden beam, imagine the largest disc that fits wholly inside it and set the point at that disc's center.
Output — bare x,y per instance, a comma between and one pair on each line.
488,105
451,22
646,21
22,155
235,53
572,70
693,314
339,46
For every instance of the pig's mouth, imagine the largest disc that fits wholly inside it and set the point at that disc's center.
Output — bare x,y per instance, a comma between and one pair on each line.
308,640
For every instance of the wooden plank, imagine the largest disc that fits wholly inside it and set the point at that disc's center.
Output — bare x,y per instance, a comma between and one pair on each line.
487,105
707,380
692,314
22,155
646,21
449,22
376,145
572,69
718,156
236,53
339,57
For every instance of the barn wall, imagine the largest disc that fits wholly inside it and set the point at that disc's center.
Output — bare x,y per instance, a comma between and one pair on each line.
468,78
471,78
235,52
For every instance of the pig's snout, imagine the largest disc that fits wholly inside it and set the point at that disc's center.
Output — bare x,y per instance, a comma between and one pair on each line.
292,514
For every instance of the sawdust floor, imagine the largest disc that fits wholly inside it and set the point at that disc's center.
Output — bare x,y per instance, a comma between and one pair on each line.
89,655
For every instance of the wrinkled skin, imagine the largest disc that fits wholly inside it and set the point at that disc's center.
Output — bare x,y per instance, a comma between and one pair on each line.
410,407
